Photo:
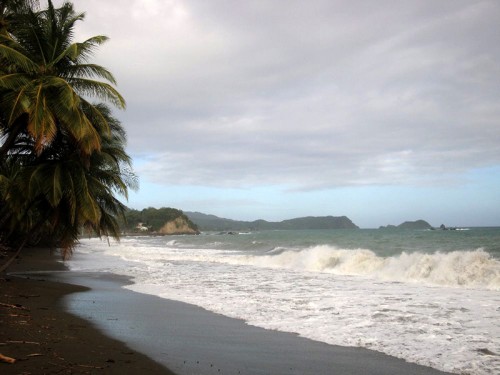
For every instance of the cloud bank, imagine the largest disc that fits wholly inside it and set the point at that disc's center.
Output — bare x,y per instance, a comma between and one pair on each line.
305,95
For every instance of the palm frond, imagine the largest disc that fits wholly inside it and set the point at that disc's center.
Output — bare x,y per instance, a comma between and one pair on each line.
18,59
80,52
89,71
101,90
42,123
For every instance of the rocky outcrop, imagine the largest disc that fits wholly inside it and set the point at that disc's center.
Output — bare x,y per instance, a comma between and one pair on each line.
178,226
419,224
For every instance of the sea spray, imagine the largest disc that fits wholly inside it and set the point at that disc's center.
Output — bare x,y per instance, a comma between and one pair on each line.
458,268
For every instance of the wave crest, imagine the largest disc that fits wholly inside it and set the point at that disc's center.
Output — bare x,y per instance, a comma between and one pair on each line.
458,268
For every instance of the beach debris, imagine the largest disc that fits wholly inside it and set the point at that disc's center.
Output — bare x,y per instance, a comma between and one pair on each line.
29,295
35,355
20,315
89,366
22,342
16,306
6,359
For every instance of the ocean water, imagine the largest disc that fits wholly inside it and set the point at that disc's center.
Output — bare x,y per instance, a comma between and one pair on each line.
429,297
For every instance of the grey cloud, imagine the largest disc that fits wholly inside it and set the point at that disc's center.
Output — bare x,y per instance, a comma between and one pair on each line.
306,95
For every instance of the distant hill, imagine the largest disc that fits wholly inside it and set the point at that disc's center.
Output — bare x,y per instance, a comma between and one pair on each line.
418,224
213,223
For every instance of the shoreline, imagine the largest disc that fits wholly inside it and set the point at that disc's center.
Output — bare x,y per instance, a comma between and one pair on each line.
184,338
37,330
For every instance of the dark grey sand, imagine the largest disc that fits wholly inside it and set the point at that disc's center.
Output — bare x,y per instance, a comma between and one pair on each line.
42,338
190,340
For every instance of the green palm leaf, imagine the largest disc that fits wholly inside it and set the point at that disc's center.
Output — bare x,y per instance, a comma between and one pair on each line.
17,58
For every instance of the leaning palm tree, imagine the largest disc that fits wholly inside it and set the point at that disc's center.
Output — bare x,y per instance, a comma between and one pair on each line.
47,78
62,160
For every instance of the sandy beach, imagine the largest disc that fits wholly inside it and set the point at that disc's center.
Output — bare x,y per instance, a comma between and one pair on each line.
70,322
37,331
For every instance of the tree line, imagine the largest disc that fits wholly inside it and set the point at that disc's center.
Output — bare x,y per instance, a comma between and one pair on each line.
63,164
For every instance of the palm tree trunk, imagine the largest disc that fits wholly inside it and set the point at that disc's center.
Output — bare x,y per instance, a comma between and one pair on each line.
3,217
8,263
27,238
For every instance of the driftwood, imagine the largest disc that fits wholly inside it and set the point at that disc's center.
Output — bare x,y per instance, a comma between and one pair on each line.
4,358
88,366
29,295
10,306
22,342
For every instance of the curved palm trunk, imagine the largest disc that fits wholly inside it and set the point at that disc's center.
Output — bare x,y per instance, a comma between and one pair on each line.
27,238
9,262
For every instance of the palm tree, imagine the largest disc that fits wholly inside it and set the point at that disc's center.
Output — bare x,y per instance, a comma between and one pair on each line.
63,160
47,79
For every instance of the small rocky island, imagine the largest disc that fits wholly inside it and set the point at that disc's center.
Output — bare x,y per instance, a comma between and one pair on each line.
443,227
418,224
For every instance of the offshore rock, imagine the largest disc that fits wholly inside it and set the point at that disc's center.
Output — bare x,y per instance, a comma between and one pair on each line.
178,226
418,224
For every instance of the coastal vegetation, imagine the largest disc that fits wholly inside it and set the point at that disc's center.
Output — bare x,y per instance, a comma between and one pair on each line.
168,220
164,220
62,152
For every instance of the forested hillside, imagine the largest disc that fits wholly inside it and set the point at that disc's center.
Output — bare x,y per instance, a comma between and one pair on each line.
213,223
155,220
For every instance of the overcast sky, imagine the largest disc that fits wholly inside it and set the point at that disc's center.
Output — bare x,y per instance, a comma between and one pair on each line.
383,111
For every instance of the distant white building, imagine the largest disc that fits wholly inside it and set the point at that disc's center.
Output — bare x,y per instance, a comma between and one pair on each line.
141,227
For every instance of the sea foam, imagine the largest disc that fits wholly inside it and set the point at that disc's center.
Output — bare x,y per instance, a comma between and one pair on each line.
458,268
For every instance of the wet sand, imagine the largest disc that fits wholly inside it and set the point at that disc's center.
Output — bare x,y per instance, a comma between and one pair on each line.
182,337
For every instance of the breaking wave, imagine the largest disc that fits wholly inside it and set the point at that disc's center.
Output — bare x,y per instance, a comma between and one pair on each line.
458,268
